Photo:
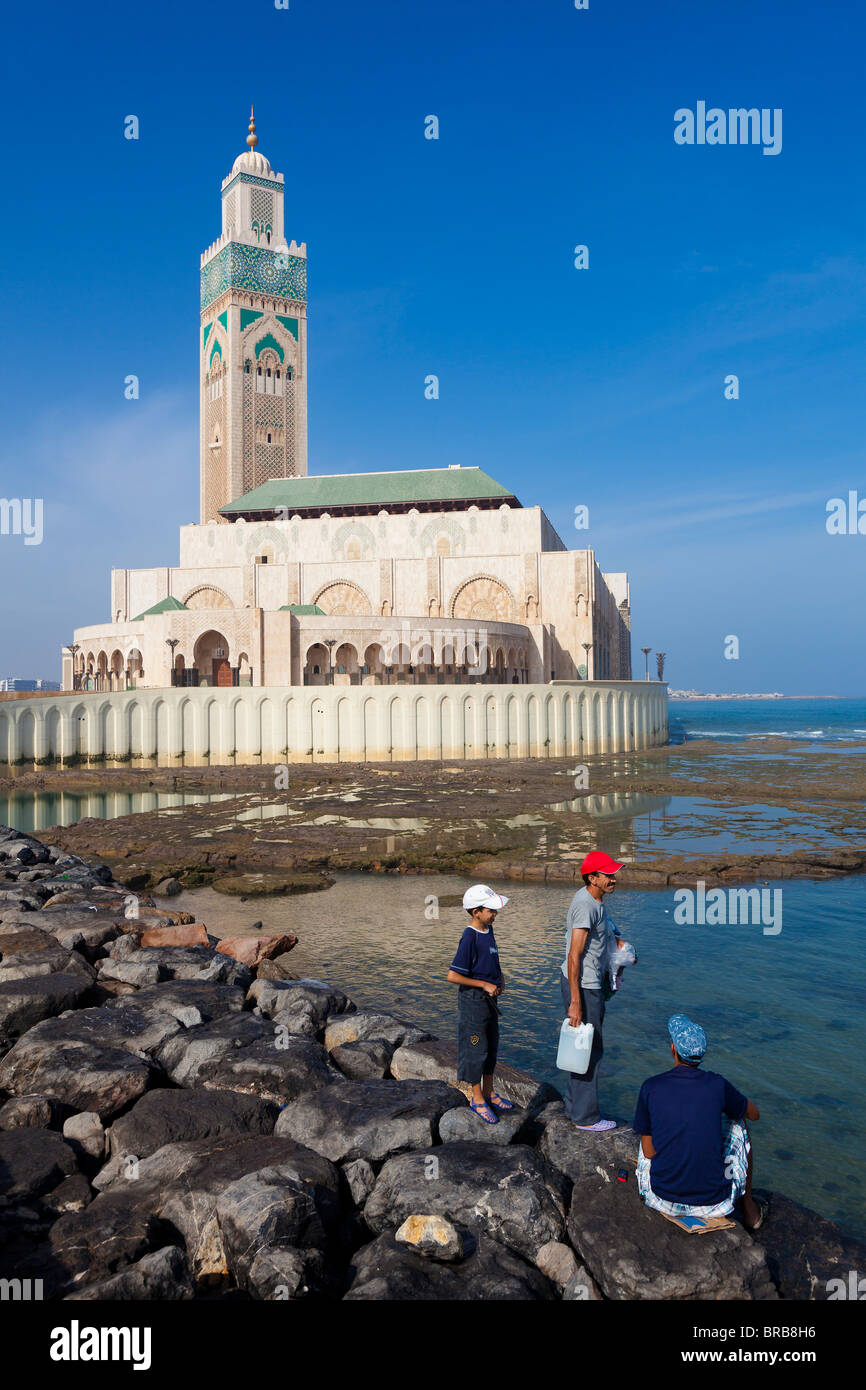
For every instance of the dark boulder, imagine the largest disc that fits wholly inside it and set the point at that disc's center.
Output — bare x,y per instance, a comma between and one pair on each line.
362,1026
172,1117
26,1002
32,1162
300,1006
185,1053
278,1068
37,1111
367,1119
363,1061
164,1275
505,1191
82,1075
805,1252
386,1270
633,1252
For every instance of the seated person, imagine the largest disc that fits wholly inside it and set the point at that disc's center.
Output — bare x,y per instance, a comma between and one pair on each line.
695,1156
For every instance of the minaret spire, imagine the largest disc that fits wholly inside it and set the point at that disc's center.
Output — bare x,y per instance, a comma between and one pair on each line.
252,138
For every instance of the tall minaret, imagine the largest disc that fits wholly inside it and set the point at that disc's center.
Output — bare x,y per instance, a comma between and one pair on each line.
253,369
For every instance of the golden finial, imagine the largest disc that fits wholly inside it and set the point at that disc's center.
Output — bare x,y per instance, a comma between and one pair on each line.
252,138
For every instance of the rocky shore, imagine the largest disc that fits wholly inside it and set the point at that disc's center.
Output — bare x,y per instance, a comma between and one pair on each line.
181,1118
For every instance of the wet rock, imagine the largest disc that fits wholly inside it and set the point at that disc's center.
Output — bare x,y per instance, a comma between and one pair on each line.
249,885
367,1119
85,1131
164,1275
386,1270
302,1006
252,950
435,1060
32,1162
361,1179
81,1074
633,1252
24,1003
503,1191
361,1027
183,1055
463,1123
806,1253
363,1061
279,1068
33,1111
168,888
273,970
433,1236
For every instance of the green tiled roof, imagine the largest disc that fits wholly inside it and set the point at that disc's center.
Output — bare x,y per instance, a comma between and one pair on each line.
165,605
303,610
334,490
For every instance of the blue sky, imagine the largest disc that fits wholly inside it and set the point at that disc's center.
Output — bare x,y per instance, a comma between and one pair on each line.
602,387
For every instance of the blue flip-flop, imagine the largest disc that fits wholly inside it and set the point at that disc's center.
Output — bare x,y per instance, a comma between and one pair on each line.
479,1107
500,1103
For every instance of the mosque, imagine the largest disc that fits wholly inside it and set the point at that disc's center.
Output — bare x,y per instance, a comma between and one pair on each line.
420,577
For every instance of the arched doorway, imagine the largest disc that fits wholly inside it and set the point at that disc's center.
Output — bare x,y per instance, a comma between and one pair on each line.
211,658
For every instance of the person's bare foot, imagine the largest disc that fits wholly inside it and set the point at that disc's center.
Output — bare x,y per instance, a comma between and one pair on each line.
754,1214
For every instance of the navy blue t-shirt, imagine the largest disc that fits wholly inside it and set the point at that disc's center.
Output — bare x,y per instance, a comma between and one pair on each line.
682,1110
477,956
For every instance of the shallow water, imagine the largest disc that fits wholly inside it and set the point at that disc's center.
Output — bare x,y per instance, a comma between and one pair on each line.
32,811
783,1013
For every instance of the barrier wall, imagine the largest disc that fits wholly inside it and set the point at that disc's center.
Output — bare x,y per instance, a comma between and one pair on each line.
337,723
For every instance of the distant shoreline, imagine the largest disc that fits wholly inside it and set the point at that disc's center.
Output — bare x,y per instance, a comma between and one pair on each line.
696,695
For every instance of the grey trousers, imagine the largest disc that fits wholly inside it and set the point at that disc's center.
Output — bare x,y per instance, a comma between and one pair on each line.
581,1092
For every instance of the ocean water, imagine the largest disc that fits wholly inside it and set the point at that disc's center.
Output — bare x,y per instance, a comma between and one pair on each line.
783,1013
810,720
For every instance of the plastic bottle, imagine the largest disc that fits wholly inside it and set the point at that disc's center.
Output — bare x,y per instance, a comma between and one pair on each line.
575,1046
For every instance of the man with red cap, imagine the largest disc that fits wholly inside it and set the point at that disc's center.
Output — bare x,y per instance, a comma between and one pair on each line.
589,933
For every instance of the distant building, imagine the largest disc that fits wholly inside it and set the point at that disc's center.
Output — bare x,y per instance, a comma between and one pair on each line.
20,683
418,577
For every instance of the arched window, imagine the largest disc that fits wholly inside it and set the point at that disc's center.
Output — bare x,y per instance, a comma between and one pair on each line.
269,437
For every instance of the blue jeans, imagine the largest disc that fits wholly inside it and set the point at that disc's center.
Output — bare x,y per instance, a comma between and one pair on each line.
581,1092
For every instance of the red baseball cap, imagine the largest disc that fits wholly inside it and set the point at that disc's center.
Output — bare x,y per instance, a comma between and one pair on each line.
599,862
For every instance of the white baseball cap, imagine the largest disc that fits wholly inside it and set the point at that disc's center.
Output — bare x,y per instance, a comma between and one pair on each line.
479,895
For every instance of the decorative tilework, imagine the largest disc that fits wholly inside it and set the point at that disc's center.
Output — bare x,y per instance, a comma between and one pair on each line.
254,268
223,318
215,349
273,184
290,324
249,316
205,334
269,341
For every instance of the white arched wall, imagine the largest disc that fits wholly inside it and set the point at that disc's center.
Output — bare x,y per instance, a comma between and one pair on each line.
337,723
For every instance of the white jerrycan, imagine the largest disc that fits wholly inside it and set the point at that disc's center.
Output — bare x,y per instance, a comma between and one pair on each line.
575,1045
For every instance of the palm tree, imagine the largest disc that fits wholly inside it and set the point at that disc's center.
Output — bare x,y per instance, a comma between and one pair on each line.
660,663
646,651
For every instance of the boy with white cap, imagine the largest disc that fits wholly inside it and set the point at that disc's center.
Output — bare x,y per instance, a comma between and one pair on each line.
476,970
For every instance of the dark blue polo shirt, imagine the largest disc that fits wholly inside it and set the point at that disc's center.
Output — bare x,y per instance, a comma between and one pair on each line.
477,956
682,1109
